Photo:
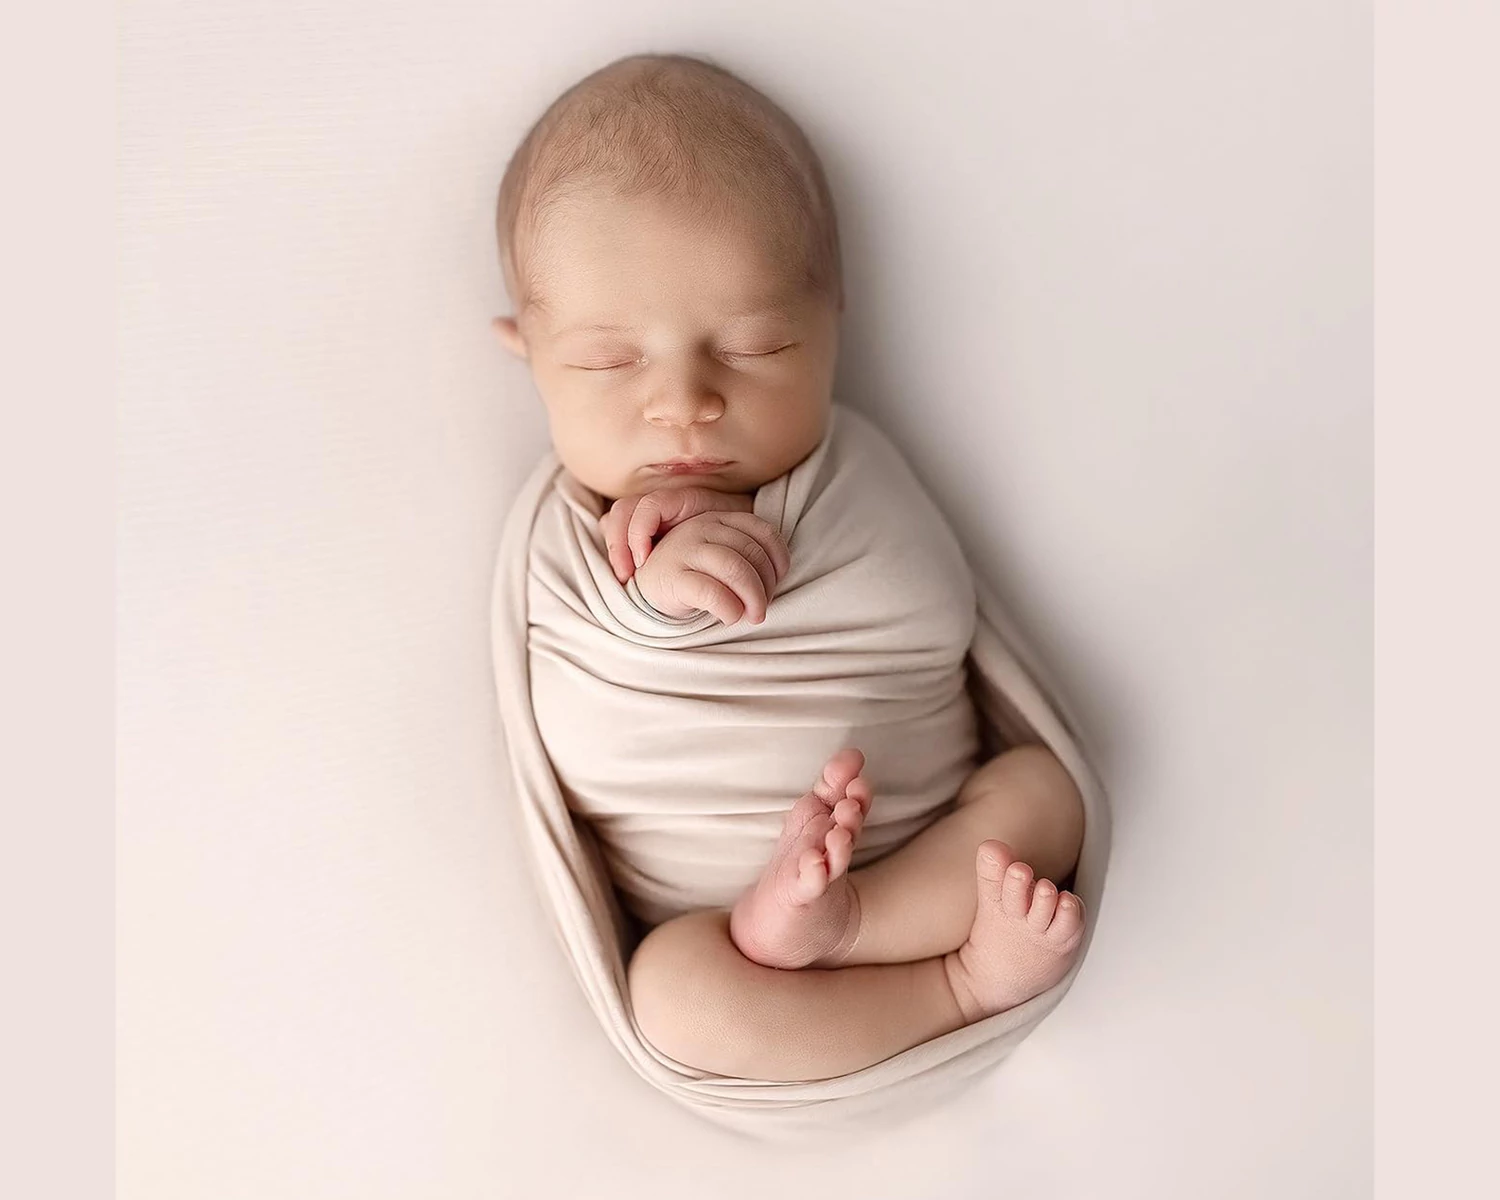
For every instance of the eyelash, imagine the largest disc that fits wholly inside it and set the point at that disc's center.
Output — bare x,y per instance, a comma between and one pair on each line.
727,354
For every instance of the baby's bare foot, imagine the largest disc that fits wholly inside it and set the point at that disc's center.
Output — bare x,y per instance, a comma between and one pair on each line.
1023,941
802,911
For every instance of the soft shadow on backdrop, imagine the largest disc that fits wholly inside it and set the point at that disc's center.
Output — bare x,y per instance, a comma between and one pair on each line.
1109,277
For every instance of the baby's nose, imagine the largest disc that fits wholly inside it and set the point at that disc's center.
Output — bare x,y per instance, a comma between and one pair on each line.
685,409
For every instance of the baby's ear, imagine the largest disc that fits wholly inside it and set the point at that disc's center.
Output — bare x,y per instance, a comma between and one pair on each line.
509,334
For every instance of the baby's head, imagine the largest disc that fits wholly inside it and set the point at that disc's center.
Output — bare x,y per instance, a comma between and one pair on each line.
669,243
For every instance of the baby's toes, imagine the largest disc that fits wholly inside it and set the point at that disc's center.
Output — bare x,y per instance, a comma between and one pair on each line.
812,874
849,814
838,771
1015,894
859,791
804,868
840,848
1043,905
1067,926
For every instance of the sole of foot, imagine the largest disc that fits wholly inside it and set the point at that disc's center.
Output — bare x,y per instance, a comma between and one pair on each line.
802,911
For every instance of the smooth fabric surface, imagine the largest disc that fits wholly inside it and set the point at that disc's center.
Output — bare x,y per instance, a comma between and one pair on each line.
661,755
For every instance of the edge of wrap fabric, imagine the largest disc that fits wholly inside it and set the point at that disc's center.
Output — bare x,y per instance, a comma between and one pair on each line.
584,909
569,873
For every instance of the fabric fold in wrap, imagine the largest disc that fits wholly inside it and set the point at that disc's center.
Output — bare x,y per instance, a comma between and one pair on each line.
654,759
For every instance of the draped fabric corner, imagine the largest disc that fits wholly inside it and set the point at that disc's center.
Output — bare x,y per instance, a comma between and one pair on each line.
654,759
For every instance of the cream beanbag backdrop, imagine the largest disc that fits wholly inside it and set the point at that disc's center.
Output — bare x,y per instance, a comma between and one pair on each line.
678,742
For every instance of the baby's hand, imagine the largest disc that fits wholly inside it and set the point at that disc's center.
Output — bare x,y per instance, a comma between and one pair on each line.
725,563
633,521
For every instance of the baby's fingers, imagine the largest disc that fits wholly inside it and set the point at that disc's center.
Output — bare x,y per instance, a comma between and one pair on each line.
766,536
730,555
647,520
665,508
743,568
613,524
705,592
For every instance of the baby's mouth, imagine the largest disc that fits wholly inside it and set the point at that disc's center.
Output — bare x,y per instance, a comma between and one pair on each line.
692,466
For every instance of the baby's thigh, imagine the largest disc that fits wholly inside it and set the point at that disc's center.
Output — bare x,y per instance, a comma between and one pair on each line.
1025,775
690,992
1026,798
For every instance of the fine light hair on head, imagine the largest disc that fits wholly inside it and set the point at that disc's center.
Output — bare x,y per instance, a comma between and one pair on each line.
680,128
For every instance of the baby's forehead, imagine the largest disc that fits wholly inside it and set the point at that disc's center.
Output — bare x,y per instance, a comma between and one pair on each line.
582,321
591,222
561,314
614,276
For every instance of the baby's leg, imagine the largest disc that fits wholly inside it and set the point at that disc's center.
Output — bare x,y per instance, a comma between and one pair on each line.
919,901
698,1000
808,910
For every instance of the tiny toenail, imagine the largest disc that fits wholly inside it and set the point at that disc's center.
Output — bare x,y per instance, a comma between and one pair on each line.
1017,871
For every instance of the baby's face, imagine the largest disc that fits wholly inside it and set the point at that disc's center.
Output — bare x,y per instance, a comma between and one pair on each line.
666,339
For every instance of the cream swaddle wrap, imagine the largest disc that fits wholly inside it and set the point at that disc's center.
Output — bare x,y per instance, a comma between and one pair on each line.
659,756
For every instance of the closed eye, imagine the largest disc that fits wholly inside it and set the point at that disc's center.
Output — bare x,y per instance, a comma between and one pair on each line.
725,353
760,354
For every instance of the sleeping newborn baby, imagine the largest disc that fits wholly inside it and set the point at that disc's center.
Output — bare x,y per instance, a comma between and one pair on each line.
770,606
